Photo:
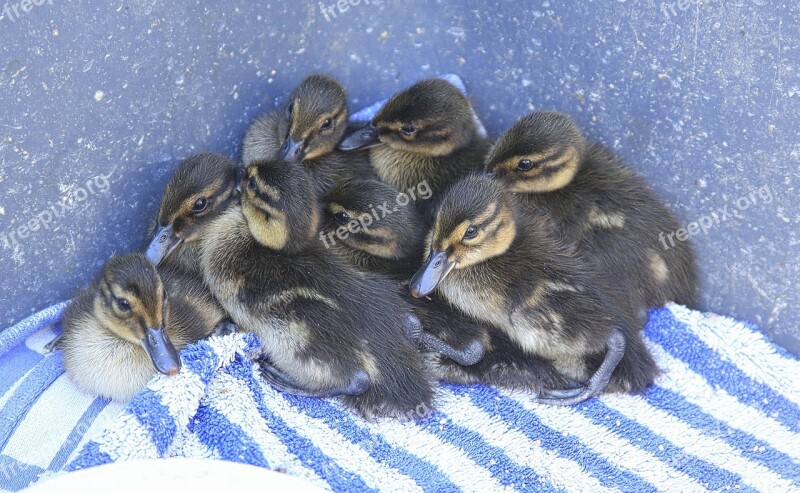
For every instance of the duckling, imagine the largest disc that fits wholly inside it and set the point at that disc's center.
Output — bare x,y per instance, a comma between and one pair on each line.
424,133
600,204
201,188
121,330
327,329
392,243
308,131
500,264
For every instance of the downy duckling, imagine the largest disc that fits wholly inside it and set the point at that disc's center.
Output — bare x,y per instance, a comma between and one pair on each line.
308,131
391,242
501,265
327,329
201,188
424,133
598,203
121,330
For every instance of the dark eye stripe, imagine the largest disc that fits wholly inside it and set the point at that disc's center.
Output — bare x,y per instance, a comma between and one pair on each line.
545,172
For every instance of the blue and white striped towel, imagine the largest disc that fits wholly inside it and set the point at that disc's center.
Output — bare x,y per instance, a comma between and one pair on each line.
725,415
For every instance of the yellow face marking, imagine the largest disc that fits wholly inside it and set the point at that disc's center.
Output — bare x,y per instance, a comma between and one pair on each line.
566,167
564,163
296,107
493,238
512,163
188,205
267,225
395,126
336,208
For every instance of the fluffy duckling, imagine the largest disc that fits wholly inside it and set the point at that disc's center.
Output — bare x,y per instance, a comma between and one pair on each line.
327,329
392,243
121,330
308,131
600,204
424,133
200,189
502,266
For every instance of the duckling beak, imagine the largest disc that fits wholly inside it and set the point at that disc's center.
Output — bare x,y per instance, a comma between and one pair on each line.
430,274
292,151
163,243
361,138
161,351
240,172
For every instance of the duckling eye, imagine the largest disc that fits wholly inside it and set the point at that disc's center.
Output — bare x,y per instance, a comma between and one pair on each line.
200,205
470,233
526,165
251,184
290,108
326,124
123,305
408,130
342,217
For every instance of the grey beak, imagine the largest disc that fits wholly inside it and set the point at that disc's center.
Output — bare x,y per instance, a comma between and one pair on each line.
361,138
163,243
161,351
292,151
430,274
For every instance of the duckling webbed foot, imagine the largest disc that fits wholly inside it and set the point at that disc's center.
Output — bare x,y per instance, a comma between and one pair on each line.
428,342
597,383
358,384
225,328
52,345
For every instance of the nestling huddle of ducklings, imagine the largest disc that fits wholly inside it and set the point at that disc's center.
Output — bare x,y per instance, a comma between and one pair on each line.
529,263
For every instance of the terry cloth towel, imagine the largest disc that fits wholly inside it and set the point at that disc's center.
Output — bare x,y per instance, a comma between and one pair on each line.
724,415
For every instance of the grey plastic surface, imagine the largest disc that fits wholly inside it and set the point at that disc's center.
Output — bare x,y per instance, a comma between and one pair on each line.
100,99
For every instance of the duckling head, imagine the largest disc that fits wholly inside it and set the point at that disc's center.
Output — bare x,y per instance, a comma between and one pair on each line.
541,152
474,222
280,206
432,118
374,221
131,303
317,113
202,186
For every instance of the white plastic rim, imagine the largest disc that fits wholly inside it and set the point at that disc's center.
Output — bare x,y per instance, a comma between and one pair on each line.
178,474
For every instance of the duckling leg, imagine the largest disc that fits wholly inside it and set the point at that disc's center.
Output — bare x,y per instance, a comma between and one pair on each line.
358,384
468,356
597,383
428,342
52,345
